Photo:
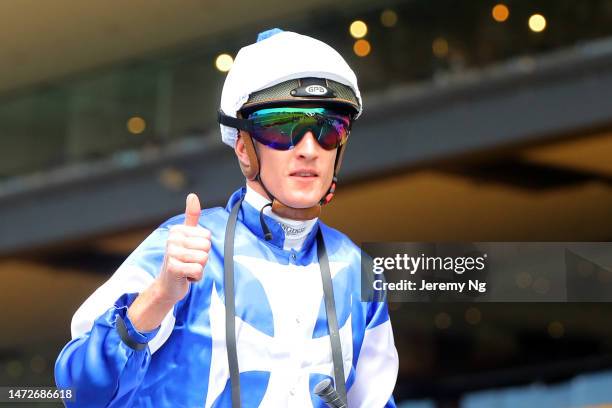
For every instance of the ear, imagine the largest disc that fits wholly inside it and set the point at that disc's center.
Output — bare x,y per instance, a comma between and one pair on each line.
245,152
241,153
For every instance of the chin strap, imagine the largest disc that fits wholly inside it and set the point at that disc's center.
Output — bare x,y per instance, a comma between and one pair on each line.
278,207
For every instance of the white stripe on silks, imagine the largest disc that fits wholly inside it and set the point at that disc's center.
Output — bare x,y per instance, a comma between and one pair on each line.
127,279
294,294
376,370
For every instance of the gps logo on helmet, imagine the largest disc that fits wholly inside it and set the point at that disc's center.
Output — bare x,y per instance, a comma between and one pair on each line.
316,90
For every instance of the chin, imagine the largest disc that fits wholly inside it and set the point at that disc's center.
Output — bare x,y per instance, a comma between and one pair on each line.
302,200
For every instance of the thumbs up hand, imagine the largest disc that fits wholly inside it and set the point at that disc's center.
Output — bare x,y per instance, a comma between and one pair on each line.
186,254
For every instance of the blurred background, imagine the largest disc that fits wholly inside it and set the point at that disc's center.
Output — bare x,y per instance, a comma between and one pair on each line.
484,121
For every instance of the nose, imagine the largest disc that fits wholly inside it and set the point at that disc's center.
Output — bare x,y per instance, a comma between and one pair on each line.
308,147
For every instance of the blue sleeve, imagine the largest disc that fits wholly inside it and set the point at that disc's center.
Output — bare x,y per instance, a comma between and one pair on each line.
105,366
379,315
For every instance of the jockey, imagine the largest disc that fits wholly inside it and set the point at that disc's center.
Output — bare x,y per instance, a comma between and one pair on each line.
256,303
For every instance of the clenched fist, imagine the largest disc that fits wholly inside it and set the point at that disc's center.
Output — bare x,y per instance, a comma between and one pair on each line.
186,254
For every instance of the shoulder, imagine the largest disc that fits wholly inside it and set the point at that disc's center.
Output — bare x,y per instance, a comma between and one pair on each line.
338,243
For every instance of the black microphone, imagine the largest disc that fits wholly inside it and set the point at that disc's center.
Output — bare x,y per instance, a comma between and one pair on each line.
326,391
264,226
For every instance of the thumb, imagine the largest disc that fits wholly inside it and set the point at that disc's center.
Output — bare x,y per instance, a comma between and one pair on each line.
192,210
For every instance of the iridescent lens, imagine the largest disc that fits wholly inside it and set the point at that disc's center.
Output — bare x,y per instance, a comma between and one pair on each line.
334,132
283,128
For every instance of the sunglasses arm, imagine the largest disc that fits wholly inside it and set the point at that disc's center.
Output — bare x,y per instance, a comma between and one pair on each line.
242,124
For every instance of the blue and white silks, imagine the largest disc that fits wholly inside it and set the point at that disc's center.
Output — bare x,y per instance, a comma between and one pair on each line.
281,327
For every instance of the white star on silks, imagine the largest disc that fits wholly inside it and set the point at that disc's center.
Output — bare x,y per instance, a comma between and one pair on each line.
295,294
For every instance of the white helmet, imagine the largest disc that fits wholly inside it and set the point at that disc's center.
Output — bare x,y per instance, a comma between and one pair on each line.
285,67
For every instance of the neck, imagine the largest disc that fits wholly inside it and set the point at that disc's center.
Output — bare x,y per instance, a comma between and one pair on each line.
296,231
254,186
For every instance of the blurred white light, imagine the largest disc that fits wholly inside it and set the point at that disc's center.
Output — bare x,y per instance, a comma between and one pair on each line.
224,62
358,29
537,23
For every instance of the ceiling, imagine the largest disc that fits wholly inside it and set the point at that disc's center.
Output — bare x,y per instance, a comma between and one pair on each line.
46,40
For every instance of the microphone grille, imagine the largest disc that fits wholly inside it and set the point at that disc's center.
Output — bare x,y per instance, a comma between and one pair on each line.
323,388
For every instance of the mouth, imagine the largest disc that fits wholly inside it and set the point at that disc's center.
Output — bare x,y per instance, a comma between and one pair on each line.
304,174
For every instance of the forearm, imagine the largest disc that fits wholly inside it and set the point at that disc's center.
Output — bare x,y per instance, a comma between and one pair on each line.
150,308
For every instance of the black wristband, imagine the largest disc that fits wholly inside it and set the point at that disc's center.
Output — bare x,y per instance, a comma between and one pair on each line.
125,337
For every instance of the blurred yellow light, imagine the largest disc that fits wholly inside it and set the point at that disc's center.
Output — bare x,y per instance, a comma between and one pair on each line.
541,286
556,330
173,179
440,47
524,280
362,48
500,13
537,23
388,18
136,125
442,320
358,29
473,315
14,368
224,62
